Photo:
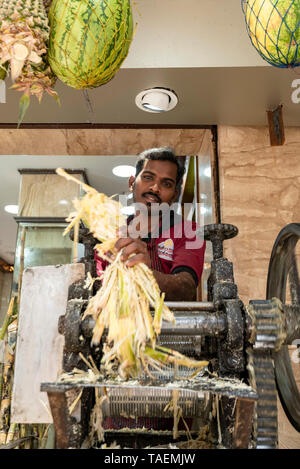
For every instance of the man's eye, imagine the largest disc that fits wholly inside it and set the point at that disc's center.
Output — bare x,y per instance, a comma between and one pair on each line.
147,176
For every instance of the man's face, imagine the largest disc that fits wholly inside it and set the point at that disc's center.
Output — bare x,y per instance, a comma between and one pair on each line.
155,183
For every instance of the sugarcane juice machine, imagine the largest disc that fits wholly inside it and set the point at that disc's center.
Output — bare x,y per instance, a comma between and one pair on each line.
246,345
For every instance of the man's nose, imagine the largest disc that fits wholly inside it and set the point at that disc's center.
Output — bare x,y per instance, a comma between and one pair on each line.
155,187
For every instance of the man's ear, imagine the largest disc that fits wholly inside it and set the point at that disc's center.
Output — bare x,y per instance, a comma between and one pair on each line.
131,183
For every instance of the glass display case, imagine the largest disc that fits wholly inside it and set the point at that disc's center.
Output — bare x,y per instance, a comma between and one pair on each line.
41,242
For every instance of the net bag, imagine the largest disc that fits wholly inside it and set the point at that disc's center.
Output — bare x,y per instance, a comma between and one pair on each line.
274,30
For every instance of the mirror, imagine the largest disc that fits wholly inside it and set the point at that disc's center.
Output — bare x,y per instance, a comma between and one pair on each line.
197,187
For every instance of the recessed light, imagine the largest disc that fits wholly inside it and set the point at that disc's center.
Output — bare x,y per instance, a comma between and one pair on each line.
63,202
12,209
124,171
207,172
156,100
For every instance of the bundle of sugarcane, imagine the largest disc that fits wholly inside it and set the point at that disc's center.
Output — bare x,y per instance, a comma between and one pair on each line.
7,356
24,36
14,435
47,5
122,305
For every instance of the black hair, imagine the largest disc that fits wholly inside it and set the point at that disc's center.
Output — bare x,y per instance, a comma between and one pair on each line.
161,154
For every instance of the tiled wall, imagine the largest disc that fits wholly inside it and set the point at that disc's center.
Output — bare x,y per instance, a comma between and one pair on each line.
260,194
98,141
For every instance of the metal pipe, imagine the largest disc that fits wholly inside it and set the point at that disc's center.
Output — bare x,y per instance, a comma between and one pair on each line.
190,306
205,324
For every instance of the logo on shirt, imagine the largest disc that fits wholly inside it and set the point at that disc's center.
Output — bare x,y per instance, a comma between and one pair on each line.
165,249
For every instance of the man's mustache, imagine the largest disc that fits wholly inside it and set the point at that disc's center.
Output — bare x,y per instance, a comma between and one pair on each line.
152,195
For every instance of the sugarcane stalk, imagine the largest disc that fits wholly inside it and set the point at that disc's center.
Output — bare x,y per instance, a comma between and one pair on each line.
26,434
42,431
50,441
7,318
11,432
176,413
158,314
3,332
165,355
16,435
3,71
22,432
6,393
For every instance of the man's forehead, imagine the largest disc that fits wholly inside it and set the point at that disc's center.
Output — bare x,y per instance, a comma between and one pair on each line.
163,168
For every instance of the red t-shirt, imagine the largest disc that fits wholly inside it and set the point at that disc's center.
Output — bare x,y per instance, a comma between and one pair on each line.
177,248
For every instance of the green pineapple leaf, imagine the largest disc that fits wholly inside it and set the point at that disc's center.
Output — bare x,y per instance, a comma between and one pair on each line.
23,106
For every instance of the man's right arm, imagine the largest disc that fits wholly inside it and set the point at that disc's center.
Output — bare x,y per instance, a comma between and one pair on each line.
177,287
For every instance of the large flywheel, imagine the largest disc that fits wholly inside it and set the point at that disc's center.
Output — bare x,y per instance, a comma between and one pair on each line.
283,283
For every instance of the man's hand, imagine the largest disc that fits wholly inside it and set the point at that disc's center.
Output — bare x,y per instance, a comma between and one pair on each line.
177,287
136,248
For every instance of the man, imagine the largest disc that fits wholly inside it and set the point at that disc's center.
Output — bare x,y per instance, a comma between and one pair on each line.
176,264
169,249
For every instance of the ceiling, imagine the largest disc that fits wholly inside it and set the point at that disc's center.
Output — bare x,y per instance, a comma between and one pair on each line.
207,96
201,51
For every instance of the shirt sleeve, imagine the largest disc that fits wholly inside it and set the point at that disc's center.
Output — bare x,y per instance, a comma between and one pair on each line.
101,264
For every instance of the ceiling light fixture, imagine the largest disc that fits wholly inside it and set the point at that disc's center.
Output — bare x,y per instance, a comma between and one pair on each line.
156,100
12,209
63,202
207,172
124,171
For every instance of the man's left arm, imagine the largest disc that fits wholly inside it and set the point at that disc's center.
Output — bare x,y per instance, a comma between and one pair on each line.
177,287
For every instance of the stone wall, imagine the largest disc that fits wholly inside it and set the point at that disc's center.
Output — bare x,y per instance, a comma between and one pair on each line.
98,141
259,190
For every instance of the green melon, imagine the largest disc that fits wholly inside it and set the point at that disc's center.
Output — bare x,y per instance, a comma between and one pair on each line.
89,40
274,29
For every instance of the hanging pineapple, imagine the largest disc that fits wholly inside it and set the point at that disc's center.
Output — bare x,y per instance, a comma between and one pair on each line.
274,29
47,4
24,34
89,40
